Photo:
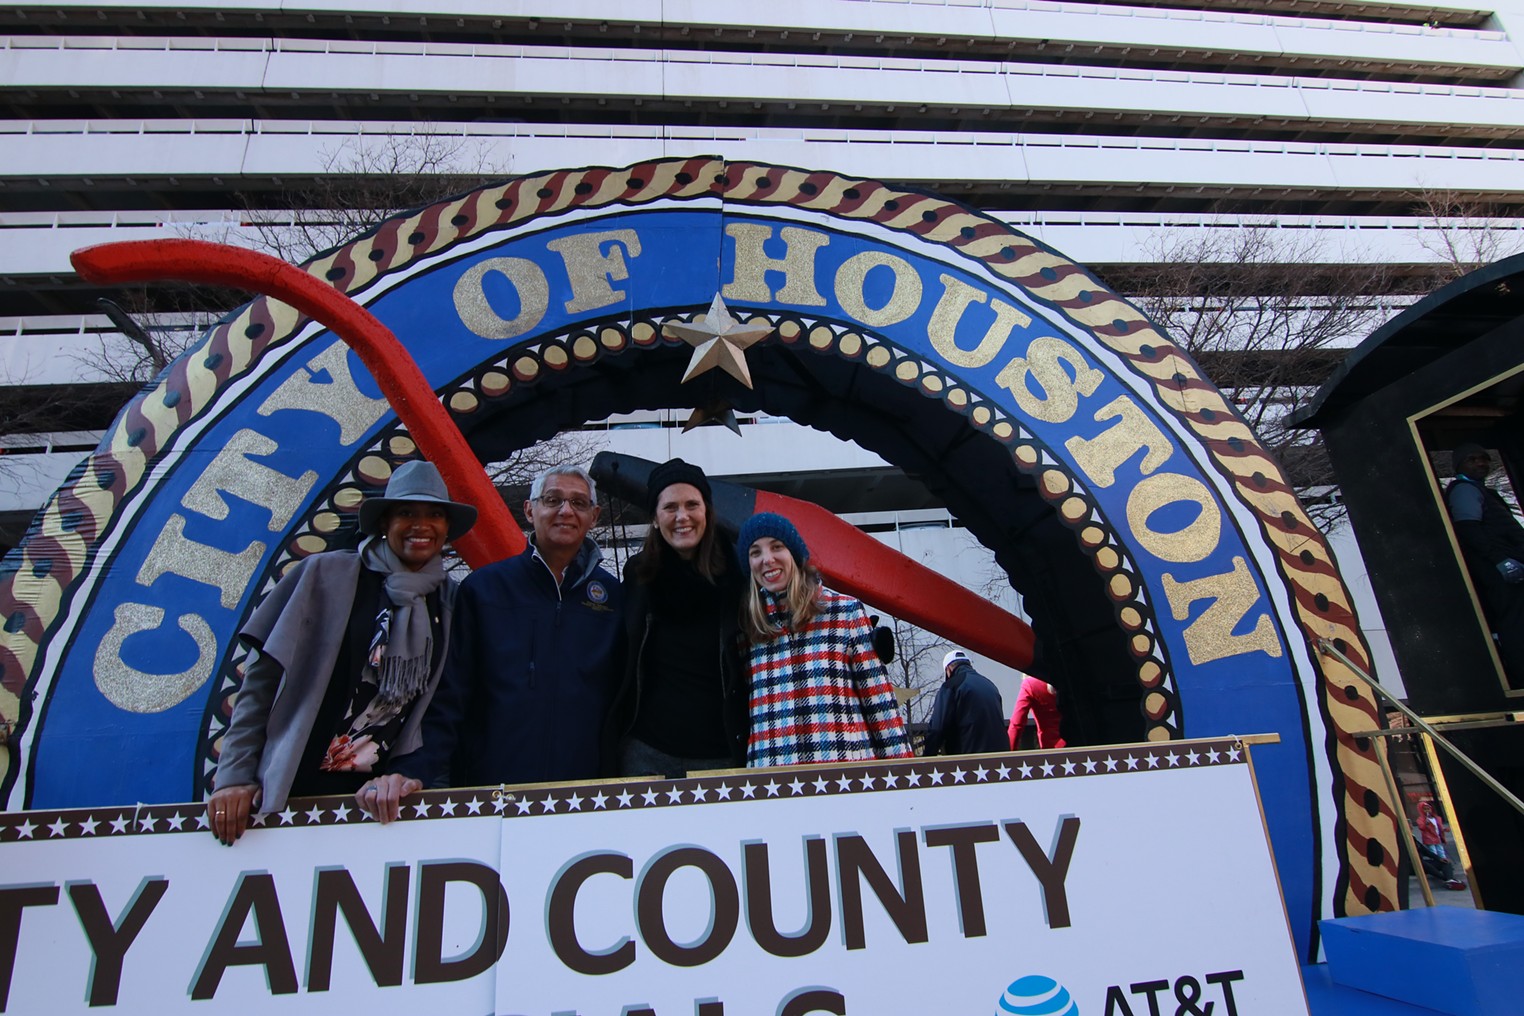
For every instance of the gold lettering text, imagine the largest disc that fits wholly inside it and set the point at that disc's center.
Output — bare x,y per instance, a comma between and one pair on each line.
1100,456
336,398
233,471
797,265
1044,363
135,690
904,296
589,268
477,313
943,326
1210,637
1191,543
173,554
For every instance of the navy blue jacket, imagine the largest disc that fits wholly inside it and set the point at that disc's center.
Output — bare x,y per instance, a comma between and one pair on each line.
967,717
530,675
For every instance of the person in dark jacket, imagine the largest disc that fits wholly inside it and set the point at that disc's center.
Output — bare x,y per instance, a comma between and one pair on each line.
683,702
536,653
1492,543
348,649
967,718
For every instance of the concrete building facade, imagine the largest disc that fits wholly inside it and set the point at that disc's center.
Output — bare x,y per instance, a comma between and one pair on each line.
1110,131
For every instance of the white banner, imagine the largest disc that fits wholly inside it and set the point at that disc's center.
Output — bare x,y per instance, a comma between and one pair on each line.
1122,881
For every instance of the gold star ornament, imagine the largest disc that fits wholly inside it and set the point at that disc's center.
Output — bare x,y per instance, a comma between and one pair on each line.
719,340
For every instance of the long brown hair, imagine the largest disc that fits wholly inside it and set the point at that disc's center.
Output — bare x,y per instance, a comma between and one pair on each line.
801,599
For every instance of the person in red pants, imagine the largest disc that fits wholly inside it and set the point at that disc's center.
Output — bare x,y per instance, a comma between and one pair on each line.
1037,700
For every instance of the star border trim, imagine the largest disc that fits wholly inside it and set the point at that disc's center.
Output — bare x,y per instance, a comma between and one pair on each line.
730,786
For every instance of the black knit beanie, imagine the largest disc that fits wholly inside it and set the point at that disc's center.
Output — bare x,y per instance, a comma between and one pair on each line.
675,471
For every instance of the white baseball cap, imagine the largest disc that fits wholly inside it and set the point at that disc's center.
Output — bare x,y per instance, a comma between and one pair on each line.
953,657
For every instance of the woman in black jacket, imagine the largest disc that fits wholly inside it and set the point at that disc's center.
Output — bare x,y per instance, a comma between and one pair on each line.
682,704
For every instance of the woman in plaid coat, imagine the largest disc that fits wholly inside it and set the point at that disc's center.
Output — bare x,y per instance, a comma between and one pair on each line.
818,691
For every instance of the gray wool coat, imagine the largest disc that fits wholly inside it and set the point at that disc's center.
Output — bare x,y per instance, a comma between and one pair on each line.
298,632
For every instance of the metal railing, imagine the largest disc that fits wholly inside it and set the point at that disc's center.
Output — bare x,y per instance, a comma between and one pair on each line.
1433,739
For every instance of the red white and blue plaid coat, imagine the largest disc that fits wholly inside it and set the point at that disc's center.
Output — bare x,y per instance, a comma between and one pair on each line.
818,692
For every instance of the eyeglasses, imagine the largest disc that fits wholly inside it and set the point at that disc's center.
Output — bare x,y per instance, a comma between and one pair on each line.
553,502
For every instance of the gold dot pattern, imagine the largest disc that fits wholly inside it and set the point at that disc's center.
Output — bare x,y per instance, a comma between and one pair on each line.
374,470
495,384
309,543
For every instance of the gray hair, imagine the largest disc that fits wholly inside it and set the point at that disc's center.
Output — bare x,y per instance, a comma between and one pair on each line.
538,485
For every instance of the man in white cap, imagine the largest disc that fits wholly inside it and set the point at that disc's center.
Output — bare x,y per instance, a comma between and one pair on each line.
968,717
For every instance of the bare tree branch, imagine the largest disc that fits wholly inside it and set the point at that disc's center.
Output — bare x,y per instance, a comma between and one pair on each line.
365,180
1463,234
163,324
514,475
1269,314
917,665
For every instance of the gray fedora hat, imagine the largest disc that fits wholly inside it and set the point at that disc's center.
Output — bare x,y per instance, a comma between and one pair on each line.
417,481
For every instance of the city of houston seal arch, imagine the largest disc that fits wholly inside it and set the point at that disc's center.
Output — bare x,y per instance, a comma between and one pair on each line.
1172,578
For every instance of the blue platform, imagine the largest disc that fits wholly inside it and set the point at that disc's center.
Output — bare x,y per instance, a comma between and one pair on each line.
1325,998
1435,960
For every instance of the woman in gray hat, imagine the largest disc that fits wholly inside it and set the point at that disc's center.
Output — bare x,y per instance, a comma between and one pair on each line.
349,647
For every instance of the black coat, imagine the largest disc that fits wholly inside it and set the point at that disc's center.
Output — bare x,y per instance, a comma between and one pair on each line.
968,717
530,671
639,618
1486,542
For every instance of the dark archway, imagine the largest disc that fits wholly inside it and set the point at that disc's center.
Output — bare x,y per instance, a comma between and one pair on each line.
970,471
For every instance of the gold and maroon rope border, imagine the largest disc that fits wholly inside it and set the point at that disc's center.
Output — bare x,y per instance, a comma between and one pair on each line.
52,560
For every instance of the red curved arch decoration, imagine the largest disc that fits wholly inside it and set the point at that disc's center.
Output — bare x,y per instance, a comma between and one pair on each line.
495,536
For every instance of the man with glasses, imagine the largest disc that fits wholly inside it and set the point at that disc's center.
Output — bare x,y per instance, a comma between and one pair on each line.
536,648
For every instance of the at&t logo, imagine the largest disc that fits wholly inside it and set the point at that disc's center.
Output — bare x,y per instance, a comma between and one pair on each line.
1036,995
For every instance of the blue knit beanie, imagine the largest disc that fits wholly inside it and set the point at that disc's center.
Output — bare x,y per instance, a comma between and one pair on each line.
774,525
